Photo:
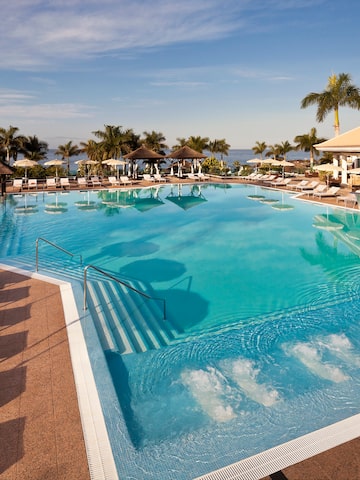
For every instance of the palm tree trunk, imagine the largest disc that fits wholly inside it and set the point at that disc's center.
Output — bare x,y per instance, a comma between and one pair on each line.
336,123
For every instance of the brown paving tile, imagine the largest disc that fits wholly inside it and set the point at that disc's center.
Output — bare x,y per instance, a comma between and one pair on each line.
40,425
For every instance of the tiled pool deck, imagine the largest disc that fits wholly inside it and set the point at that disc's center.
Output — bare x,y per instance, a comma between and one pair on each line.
41,435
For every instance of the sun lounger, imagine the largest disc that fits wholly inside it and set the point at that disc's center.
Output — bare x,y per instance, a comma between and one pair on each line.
18,183
301,185
125,180
64,182
82,182
32,183
330,192
319,188
95,181
114,182
51,183
349,198
280,182
310,186
159,178
148,178
203,177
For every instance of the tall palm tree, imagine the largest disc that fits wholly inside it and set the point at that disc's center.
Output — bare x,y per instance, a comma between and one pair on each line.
273,151
285,148
155,141
66,151
339,92
10,142
306,143
198,143
259,148
33,148
219,146
112,141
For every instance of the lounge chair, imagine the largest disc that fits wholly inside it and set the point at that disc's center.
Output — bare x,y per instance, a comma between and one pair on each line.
64,182
125,180
319,188
330,192
310,185
148,178
32,183
268,178
203,177
280,182
51,183
95,181
159,178
18,183
301,185
82,182
194,177
349,198
113,181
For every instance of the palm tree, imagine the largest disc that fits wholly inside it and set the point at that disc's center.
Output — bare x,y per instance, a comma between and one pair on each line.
338,92
33,148
306,143
259,149
219,146
66,151
10,142
155,141
198,143
273,151
284,148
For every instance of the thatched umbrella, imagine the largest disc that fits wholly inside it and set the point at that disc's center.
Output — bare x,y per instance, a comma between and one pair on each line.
143,153
4,170
185,153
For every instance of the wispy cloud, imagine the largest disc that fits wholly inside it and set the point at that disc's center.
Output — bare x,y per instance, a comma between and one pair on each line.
38,32
45,111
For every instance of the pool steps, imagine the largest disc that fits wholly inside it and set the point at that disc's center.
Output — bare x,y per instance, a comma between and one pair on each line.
125,321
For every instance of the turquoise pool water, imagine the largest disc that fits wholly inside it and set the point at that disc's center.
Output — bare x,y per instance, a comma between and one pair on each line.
263,290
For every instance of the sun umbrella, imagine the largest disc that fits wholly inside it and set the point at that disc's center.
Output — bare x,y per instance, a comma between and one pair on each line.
25,163
283,164
329,168
55,163
143,153
114,162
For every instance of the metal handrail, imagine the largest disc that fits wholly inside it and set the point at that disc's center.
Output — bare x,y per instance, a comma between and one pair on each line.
55,246
106,274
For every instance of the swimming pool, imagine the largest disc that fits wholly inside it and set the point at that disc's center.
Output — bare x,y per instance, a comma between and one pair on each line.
261,291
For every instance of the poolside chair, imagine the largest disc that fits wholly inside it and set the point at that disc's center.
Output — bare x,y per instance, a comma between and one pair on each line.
310,185
203,177
348,198
82,182
280,182
194,177
301,185
148,178
319,188
95,181
330,192
32,183
159,178
51,183
18,183
113,181
269,178
125,180
64,182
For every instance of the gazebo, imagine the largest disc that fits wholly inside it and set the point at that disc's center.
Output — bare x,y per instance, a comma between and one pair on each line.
4,171
185,153
345,144
143,153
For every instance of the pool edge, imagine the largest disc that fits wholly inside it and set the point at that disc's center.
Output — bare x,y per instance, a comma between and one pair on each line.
98,449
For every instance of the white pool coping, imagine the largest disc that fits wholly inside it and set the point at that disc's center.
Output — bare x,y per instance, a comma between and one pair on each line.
98,449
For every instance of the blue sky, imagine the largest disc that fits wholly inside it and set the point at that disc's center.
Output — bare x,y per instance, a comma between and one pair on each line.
233,69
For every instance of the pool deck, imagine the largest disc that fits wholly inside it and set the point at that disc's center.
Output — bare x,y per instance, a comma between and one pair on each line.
41,434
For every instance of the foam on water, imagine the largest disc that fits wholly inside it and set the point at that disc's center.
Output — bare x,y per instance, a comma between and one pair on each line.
244,373
208,388
310,355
